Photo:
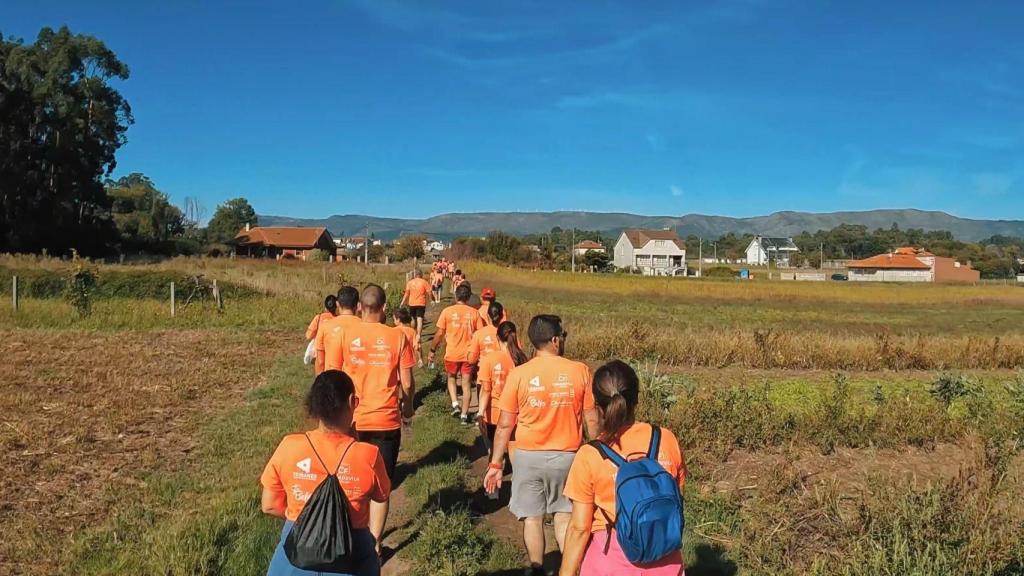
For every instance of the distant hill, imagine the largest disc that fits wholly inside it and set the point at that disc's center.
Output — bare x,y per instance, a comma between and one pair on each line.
448,226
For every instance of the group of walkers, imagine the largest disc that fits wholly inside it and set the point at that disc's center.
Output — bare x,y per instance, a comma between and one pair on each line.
614,503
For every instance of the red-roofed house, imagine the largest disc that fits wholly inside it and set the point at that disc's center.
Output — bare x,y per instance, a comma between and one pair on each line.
908,264
282,242
652,252
587,246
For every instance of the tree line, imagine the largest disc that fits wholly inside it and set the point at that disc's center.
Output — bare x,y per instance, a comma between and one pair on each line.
62,122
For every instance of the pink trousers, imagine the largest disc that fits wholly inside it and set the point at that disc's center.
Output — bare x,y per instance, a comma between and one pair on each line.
614,563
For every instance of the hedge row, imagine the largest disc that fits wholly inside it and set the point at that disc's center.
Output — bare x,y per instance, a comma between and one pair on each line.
35,283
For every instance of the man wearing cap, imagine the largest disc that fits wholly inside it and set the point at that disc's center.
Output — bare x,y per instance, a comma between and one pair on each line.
487,296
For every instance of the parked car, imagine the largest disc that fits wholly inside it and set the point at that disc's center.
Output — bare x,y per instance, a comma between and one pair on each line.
840,277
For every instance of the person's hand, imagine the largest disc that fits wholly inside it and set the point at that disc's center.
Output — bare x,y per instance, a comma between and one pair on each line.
430,357
492,480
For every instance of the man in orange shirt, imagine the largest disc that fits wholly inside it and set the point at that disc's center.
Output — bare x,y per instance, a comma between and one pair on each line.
417,292
456,326
328,336
487,295
547,400
379,359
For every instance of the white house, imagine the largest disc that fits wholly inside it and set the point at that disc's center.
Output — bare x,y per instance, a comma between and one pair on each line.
433,245
763,250
653,252
588,246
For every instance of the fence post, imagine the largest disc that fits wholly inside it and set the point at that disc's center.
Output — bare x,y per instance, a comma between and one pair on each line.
217,297
324,270
14,292
172,299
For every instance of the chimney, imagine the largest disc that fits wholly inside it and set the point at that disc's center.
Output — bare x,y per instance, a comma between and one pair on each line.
248,227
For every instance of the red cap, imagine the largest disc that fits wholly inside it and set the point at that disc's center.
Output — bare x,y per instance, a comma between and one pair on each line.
488,294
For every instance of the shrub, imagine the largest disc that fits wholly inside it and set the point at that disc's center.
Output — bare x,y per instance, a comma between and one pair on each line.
318,255
80,285
720,272
450,544
951,387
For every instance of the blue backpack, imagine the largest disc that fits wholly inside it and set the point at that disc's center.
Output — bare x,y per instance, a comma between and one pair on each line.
649,508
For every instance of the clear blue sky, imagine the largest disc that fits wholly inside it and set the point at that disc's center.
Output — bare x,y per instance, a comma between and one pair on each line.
736,107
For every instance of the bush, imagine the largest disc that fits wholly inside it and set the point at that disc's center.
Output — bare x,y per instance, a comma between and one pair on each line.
450,544
80,285
720,272
951,387
318,255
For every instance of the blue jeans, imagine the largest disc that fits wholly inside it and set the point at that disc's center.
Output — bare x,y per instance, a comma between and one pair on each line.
367,563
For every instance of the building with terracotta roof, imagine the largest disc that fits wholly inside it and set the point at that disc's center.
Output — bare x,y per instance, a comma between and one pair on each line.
588,246
909,264
282,242
652,252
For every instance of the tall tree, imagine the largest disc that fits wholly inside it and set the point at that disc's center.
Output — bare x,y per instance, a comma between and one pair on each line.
144,216
229,218
61,123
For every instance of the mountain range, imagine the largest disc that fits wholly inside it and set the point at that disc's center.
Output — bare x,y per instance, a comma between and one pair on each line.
449,226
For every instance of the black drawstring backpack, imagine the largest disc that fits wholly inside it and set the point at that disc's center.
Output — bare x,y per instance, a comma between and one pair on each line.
321,538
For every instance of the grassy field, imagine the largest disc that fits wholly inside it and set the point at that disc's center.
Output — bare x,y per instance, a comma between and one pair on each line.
828,428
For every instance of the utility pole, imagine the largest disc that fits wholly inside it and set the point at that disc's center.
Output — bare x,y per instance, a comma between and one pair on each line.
573,249
821,261
715,244
366,246
700,258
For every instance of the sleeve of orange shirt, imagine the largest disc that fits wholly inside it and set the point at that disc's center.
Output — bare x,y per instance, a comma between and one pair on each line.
406,358
484,374
509,400
588,389
381,483
271,477
579,485
474,350
313,324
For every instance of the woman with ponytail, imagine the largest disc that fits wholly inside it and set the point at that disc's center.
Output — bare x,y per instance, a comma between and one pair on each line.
494,369
590,549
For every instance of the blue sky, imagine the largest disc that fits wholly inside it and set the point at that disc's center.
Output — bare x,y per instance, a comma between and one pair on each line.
733,107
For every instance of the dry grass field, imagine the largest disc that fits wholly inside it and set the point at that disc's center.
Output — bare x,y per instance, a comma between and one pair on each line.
828,428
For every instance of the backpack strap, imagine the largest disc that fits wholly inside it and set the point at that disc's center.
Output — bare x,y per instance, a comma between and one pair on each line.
608,454
321,460
652,452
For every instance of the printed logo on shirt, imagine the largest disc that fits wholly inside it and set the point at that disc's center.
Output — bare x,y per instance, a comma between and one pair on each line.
562,381
535,385
357,343
497,368
305,465
537,403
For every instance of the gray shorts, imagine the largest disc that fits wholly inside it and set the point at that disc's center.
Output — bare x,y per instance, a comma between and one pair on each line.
538,481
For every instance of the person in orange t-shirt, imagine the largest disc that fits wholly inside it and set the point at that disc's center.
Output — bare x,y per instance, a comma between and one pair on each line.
457,279
403,321
589,547
417,293
547,401
436,283
302,461
494,370
331,310
328,337
485,340
487,295
380,361
456,326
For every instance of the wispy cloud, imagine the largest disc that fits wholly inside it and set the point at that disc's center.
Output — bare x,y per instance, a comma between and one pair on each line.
675,191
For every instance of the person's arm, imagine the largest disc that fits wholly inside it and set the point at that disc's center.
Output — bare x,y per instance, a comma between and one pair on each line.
496,468
593,421
436,342
381,490
273,502
577,537
311,330
318,362
474,350
405,296
408,392
483,410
